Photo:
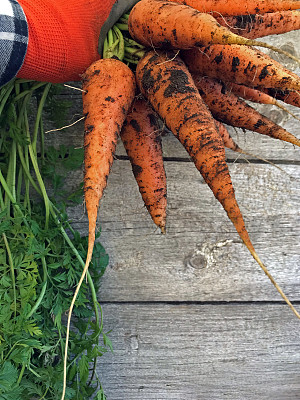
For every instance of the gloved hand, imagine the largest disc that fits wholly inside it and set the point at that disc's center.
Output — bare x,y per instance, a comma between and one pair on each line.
64,36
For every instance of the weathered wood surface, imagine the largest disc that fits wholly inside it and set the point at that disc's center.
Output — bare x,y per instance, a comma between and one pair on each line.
201,257
192,315
201,352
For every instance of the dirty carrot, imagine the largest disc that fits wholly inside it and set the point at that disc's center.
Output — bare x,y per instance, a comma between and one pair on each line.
168,85
241,7
240,64
108,91
141,138
169,25
229,143
253,26
288,96
256,96
232,110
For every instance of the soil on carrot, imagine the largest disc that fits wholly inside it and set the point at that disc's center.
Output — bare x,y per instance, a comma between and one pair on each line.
179,81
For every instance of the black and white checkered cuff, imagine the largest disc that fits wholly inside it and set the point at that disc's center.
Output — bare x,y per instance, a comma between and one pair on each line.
13,39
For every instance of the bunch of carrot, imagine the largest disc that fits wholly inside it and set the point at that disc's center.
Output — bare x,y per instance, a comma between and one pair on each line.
193,72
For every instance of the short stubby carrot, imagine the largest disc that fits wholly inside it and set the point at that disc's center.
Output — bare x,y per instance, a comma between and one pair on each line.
253,26
244,7
232,110
166,82
141,136
108,91
169,25
240,64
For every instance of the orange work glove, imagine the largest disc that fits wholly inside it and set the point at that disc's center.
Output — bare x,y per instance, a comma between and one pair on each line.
64,35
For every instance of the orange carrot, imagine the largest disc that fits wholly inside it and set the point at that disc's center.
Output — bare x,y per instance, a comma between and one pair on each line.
230,109
250,93
253,26
229,143
225,7
288,96
169,25
256,96
168,85
240,64
141,138
108,91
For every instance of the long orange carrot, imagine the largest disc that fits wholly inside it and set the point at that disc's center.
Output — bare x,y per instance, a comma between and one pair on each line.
240,64
141,138
253,26
108,91
167,83
225,7
169,25
229,108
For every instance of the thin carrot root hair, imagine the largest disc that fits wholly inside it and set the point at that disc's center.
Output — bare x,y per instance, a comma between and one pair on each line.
278,288
171,90
277,104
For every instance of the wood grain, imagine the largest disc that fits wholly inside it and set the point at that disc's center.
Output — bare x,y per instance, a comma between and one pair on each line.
201,257
201,352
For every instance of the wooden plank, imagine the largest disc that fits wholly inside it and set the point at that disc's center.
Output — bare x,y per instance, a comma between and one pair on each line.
254,143
191,352
201,257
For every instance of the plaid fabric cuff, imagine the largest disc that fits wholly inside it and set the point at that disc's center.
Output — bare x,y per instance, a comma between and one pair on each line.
13,39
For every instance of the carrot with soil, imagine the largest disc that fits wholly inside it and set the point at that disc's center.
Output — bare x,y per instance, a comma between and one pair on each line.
240,64
229,143
232,110
168,85
141,138
244,7
169,25
256,96
108,91
253,26
287,96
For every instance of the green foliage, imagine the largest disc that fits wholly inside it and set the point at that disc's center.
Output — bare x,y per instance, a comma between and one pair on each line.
57,163
40,264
